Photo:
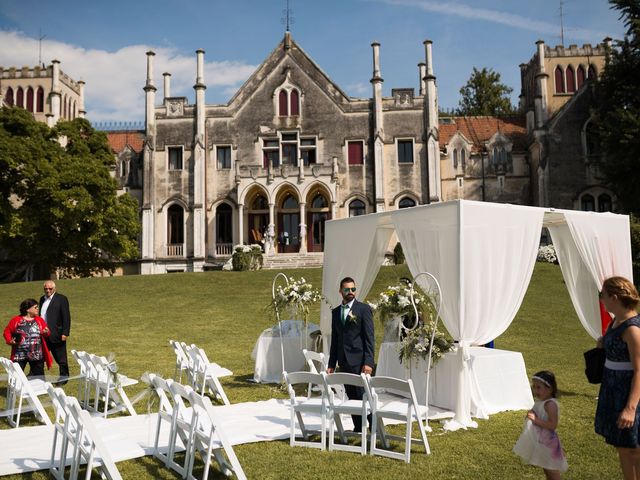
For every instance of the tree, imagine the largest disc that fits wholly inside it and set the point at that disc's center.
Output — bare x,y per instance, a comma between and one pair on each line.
59,208
485,95
616,113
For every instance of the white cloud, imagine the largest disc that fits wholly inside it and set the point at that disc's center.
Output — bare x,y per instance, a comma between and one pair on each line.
359,89
495,16
114,80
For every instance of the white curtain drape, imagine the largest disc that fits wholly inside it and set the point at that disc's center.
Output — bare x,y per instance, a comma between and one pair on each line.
591,248
483,256
354,247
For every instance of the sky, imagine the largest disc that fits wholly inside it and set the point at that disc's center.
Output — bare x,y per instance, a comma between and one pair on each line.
104,42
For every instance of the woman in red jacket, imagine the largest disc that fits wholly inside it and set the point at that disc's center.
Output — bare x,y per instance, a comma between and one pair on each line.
26,333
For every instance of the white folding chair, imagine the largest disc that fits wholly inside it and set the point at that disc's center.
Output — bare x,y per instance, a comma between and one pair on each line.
208,438
317,406
19,389
395,399
64,432
109,386
339,406
84,384
182,361
317,363
182,425
205,374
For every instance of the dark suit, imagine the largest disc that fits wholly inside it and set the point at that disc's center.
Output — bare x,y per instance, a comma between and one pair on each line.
352,346
58,319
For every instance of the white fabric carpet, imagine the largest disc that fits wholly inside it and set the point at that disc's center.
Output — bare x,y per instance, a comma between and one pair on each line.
26,449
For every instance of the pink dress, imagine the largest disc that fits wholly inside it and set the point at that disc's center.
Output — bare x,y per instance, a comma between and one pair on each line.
539,446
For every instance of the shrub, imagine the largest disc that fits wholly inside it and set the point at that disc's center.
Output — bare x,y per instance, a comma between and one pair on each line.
247,257
547,253
398,254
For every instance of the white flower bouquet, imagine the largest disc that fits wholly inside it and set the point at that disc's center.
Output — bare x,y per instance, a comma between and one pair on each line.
295,298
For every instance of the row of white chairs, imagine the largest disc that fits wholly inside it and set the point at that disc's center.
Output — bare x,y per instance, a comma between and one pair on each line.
193,427
22,394
202,374
101,382
384,398
75,434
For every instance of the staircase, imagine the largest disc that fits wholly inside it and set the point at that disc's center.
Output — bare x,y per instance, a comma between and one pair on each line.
285,261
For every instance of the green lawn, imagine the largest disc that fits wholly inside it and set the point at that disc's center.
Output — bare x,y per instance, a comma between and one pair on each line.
223,312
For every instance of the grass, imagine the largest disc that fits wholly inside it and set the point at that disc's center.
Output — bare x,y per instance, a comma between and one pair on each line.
223,312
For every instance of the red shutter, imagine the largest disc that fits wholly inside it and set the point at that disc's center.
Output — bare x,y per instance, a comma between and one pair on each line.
295,103
559,80
580,76
20,98
30,99
571,80
355,153
283,109
40,100
9,97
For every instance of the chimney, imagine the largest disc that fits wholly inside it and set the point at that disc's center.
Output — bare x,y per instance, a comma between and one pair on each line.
81,111
422,69
167,84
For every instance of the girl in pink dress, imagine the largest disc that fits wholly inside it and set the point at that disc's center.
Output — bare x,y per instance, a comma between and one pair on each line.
539,444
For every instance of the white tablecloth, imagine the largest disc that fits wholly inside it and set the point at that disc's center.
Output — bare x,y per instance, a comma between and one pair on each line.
500,375
266,352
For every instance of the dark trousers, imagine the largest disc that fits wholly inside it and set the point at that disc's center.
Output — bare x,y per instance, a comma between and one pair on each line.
36,367
59,352
354,393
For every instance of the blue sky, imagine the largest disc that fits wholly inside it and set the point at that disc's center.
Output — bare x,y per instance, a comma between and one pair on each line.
103,43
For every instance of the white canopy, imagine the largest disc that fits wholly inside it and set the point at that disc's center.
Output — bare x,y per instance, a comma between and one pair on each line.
483,256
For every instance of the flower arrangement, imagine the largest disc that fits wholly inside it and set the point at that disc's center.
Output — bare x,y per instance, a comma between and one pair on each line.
393,303
247,257
547,253
296,298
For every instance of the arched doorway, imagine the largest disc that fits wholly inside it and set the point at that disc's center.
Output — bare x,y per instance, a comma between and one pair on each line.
224,229
288,234
175,231
258,218
317,214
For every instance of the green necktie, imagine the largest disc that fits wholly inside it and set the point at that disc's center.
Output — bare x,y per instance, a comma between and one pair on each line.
345,309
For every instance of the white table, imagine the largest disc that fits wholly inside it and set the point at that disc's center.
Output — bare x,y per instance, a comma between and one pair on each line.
500,375
266,352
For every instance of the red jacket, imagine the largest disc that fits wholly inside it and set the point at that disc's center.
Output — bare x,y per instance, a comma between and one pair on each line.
11,329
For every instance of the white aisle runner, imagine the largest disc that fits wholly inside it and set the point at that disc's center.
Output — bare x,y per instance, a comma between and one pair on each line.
27,449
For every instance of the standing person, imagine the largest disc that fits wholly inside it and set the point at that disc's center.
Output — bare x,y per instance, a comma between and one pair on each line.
54,308
539,444
26,334
352,340
617,416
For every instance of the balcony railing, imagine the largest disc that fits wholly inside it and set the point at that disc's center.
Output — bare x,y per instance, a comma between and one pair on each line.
175,250
224,249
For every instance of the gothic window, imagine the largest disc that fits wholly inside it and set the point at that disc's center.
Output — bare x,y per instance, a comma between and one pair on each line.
283,104
295,103
455,158
123,168
591,73
588,203
308,151
40,100
175,158
64,107
405,151
30,99
175,225
406,202
355,152
20,98
290,203
356,208
604,202
319,202
580,76
559,78
223,155
571,79
224,225
8,98
463,157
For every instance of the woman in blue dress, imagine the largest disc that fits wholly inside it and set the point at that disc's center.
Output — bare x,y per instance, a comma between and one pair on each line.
618,416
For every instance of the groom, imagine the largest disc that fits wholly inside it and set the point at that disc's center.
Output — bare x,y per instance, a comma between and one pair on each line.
352,340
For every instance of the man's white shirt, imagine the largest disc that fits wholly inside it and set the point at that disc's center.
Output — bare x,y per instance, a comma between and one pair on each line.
45,306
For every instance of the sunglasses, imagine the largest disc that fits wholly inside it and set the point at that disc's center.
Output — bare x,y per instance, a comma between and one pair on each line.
349,289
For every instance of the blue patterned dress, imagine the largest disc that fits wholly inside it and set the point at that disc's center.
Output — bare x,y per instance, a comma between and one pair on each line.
614,390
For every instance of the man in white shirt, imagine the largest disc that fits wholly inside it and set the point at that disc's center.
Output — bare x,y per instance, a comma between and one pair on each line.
54,308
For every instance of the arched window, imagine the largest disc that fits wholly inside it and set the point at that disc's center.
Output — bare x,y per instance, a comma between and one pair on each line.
260,203
175,225
40,100
30,99
463,157
604,202
571,79
64,107
290,203
224,225
8,98
588,203
295,102
591,73
319,202
123,168
406,202
20,98
581,76
455,158
74,110
356,208
283,104
559,78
